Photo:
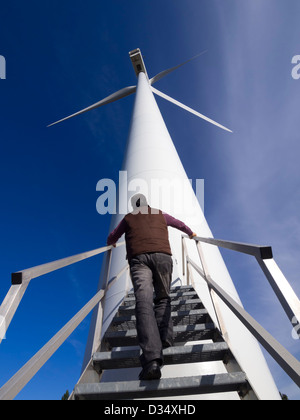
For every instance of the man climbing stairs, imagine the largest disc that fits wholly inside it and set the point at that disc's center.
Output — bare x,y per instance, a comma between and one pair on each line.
196,341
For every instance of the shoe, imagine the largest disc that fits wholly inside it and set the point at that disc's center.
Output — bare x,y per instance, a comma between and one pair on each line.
151,371
166,344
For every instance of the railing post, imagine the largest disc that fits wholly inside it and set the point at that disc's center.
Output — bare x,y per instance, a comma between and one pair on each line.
183,249
206,276
23,376
286,360
282,289
97,320
27,372
21,280
10,305
264,256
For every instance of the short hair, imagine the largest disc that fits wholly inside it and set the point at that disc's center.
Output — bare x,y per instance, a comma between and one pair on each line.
138,200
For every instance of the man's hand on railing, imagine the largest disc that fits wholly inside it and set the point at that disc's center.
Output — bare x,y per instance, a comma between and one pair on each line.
193,235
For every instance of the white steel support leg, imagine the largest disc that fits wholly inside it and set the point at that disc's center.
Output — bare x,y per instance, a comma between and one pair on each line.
282,289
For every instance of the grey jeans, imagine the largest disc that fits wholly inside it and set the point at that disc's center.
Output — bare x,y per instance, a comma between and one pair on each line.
153,322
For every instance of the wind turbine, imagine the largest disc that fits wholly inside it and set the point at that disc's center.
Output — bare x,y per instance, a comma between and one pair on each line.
151,155
139,66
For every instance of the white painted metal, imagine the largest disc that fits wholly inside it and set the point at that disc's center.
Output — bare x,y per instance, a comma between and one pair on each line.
21,280
168,71
264,256
10,305
151,160
111,98
285,359
187,108
26,373
11,389
285,293
138,62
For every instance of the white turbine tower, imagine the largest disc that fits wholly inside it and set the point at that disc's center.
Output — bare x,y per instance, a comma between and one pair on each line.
151,162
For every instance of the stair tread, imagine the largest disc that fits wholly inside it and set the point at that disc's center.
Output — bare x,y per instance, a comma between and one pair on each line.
183,304
191,323
173,355
177,328
183,287
131,297
174,290
179,317
224,382
182,333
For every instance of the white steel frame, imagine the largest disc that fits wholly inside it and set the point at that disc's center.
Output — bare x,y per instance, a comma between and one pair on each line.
287,361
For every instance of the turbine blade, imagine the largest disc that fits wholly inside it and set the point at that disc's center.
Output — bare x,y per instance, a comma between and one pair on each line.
111,98
165,72
168,98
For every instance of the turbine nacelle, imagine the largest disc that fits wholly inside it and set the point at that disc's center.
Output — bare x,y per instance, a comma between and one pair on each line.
138,62
139,67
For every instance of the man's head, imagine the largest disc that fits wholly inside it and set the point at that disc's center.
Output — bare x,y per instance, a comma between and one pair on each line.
138,200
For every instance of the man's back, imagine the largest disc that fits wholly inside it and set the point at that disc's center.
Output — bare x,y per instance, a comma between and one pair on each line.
147,232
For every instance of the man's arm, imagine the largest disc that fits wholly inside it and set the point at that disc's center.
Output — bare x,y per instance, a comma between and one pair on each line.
178,224
117,233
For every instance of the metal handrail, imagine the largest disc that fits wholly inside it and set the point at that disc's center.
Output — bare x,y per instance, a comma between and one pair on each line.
40,270
264,252
264,256
11,389
21,280
285,359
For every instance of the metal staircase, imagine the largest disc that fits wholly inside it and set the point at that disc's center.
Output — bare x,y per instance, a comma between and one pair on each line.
197,340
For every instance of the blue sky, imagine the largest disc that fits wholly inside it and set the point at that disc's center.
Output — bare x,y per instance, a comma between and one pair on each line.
65,55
